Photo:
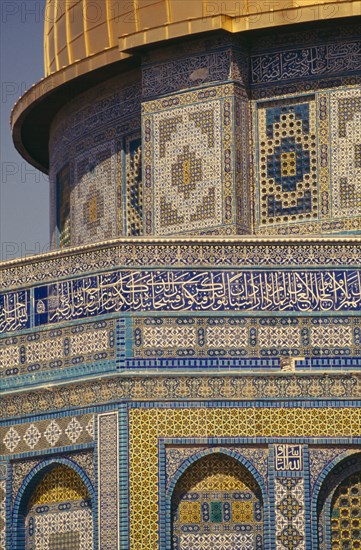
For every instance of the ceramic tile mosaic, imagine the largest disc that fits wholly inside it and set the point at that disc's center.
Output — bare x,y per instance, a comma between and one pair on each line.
345,114
94,200
108,481
177,456
189,183
300,62
287,160
196,63
2,514
59,513
133,186
299,291
63,215
290,514
148,424
217,499
21,468
245,336
55,350
338,506
328,165
180,387
266,458
47,434
88,137
320,457
346,513
210,252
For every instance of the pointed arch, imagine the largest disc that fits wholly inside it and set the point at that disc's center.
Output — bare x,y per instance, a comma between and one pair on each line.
239,509
32,495
341,477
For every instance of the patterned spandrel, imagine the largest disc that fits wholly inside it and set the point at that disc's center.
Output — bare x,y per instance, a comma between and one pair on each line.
60,484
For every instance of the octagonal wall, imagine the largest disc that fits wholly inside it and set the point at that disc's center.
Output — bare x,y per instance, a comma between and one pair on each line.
221,135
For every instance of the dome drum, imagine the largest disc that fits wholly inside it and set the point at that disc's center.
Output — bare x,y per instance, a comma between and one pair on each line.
216,136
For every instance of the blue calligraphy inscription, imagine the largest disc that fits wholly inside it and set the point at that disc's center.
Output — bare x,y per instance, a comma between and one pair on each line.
298,291
14,311
323,60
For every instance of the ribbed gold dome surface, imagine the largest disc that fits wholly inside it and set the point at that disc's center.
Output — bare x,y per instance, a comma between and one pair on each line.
79,29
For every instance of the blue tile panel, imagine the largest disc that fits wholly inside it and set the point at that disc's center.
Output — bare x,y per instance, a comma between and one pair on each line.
238,290
292,63
14,310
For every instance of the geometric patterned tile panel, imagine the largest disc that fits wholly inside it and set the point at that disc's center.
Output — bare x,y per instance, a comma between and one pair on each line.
309,162
94,128
2,513
208,253
287,161
290,513
245,336
47,434
57,349
108,480
188,176
65,530
345,110
182,388
147,425
94,200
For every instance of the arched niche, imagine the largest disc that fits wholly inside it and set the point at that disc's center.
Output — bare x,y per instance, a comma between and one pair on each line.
339,506
54,508
217,503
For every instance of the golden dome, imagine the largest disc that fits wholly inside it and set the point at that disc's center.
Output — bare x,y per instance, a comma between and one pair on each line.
104,29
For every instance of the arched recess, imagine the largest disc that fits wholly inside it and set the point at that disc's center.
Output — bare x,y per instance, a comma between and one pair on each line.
54,508
216,502
338,507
